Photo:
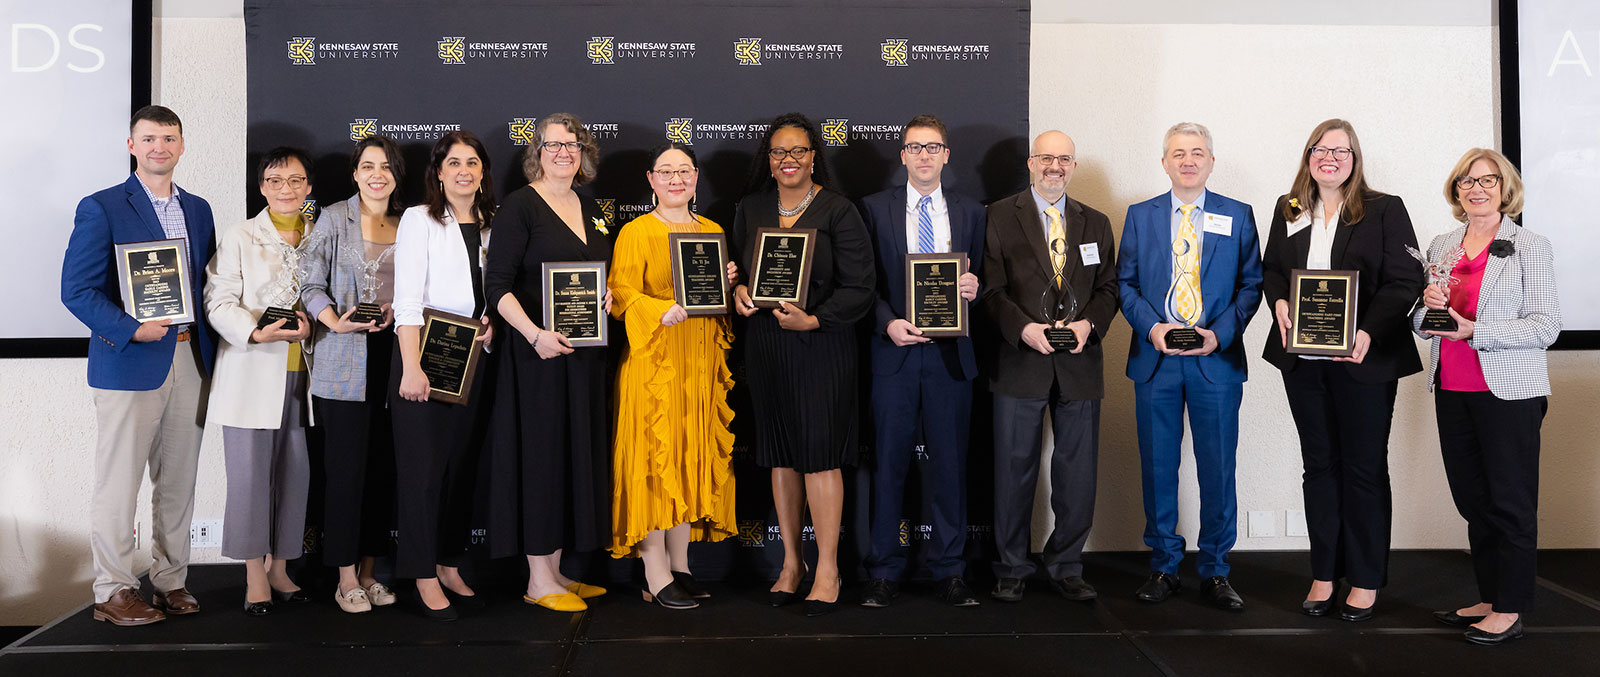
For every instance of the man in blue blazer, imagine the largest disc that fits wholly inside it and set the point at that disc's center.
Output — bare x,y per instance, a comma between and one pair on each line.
920,383
148,378
1210,241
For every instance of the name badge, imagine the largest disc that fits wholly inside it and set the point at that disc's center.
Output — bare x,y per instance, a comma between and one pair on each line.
1090,253
1221,225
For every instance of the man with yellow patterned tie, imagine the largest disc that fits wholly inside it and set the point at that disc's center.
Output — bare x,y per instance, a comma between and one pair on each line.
1189,259
1049,262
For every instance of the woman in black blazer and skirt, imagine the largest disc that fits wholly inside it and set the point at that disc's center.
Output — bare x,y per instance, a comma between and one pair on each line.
801,362
1342,406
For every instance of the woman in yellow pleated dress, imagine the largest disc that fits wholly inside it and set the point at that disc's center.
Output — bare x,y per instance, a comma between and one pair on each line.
674,483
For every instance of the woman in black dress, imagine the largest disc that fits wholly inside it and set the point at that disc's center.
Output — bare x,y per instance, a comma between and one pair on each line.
552,427
801,362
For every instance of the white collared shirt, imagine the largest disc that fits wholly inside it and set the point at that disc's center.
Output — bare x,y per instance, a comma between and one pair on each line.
938,212
431,267
1320,255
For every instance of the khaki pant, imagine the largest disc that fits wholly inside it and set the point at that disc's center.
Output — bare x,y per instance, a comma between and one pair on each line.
159,429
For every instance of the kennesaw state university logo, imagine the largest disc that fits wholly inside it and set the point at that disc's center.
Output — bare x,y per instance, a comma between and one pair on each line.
453,50
893,51
522,130
752,533
309,210
747,51
835,131
905,533
609,208
681,130
600,49
361,128
303,51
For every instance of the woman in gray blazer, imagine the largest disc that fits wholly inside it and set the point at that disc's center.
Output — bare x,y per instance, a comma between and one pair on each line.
1490,383
351,370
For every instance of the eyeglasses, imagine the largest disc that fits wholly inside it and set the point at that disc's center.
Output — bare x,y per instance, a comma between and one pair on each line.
668,174
1048,160
295,182
1487,181
917,148
798,153
1340,154
556,146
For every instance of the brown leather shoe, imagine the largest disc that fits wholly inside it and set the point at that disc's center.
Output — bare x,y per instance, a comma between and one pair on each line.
177,602
125,608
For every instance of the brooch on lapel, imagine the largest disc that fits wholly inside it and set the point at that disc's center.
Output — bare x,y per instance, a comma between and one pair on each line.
1294,203
1502,248
600,225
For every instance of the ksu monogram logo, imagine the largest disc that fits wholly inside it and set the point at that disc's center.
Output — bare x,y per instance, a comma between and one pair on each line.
303,51
836,131
600,50
905,533
893,51
154,259
1322,285
450,330
522,130
747,51
452,50
751,533
574,279
309,210
608,206
681,130
699,248
935,270
361,128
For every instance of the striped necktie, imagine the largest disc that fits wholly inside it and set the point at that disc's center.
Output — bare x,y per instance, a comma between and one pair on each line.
924,226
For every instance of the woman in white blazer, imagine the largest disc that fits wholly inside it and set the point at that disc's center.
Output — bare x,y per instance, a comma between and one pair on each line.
1490,382
258,387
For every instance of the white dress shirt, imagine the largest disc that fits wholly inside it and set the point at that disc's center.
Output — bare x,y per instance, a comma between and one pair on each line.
938,212
430,267
1320,256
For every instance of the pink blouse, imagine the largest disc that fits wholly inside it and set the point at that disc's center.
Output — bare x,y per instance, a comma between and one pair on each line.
1458,363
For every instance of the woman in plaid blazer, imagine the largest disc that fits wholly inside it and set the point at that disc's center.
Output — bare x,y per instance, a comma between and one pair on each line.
1490,383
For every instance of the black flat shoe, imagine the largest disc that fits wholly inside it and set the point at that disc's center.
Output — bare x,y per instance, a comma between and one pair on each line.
1486,638
1220,594
292,597
671,596
689,585
880,592
463,602
1159,587
258,608
446,614
1355,614
954,591
1317,608
1453,618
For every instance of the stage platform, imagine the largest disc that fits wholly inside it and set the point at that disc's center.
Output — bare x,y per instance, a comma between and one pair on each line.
736,632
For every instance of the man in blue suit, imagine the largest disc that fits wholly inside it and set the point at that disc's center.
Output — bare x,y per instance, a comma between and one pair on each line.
1189,258
920,383
148,378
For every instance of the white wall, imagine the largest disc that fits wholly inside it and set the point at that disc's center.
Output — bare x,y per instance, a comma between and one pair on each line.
1418,94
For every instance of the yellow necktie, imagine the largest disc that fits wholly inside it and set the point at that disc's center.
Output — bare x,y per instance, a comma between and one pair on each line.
1186,262
1058,259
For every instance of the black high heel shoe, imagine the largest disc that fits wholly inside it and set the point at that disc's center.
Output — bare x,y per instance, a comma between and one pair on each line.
779,598
671,596
817,607
689,585
448,613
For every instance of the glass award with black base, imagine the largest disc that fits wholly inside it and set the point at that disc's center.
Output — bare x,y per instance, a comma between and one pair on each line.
1059,304
368,284
1439,274
1185,337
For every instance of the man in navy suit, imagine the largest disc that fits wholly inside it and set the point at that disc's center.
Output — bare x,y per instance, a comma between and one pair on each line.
1189,258
148,378
920,383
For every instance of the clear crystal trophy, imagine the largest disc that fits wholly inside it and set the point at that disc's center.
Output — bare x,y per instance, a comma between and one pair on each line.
367,284
1185,337
1058,303
283,292
1438,273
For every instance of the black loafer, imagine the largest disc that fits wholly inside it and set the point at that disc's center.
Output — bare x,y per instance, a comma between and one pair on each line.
1355,614
1159,587
1453,618
879,593
671,596
1220,594
258,608
954,591
1486,638
294,597
689,585
1008,589
1075,589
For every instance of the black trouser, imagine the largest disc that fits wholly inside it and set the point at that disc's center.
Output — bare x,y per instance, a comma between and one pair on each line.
1018,427
1344,444
1491,457
358,460
436,448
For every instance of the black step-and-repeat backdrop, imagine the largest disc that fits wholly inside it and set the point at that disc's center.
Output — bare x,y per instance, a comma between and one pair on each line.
323,73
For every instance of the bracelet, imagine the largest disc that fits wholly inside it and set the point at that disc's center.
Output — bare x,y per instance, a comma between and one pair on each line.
536,334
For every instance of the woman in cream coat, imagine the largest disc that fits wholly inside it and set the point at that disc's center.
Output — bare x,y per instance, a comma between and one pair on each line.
258,387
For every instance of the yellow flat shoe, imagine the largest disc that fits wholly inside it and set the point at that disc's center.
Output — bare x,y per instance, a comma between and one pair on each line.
561,601
585,590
